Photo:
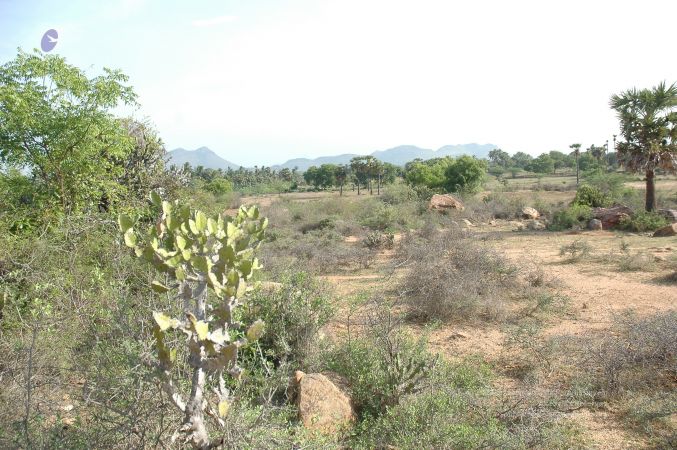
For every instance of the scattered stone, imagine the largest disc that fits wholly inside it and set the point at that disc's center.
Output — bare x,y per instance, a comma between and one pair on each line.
611,217
535,225
516,226
670,214
595,225
467,223
659,258
492,223
667,231
443,202
322,406
530,213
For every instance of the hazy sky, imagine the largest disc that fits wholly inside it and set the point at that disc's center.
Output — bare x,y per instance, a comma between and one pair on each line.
262,81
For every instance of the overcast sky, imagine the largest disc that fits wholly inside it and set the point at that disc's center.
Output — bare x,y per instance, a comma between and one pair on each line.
262,81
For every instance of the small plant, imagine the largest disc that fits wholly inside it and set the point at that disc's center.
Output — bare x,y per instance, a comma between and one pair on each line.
643,221
199,253
376,240
575,215
575,250
591,196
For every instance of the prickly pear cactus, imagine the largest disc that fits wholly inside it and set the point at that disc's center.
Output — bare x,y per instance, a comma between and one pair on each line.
200,254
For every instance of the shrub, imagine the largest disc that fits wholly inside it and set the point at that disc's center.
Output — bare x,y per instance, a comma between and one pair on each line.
380,218
219,186
377,240
398,193
575,250
643,221
294,312
383,365
591,196
452,277
575,215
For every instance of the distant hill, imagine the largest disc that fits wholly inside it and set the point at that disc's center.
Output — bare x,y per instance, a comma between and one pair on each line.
203,156
397,155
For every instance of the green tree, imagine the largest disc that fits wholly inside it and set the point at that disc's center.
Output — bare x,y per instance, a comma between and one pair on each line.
500,158
341,175
466,174
429,173
542,164
362,168
521,160
648,120
58,124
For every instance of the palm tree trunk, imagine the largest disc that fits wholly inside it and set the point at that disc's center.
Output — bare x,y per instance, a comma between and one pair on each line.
650,190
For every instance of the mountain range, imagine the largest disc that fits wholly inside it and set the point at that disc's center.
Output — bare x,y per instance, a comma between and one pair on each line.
400,155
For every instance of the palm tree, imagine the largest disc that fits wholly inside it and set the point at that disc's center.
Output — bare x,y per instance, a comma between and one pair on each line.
577,153
648,119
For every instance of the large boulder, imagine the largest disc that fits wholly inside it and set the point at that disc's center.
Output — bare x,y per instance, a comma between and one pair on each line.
595,224
611,217
670,230
443,202
670,214
530,213
322,405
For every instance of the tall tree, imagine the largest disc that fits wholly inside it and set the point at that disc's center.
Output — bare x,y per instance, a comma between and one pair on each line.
58,124
648,120
577,152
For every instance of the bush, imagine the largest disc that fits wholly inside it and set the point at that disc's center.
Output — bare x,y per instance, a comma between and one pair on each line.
643,221
294,312
575,215
575,250
383,365
398,193
219,186
453,277
380,218
592,197
377,240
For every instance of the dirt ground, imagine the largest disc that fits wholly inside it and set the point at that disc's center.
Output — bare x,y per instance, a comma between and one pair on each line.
596,289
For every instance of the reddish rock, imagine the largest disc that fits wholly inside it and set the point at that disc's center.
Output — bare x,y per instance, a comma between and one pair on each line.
670,230
530,213
322,405
444,202
611,217
670,214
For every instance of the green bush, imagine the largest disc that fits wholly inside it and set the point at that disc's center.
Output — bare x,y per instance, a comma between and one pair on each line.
380,218
294,312
591,196
575,215
643,221
219,186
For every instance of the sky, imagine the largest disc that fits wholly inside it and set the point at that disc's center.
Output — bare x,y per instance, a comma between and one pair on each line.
263,81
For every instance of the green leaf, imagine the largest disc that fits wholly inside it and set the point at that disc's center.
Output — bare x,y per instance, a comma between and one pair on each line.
130,238
193,227
202,329
200,263
159,287
255,331
125,222
164,321
223,408
212,226
166,207
155,199
180,242
200,221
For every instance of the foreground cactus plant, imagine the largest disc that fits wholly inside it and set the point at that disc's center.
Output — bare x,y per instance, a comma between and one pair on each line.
200,254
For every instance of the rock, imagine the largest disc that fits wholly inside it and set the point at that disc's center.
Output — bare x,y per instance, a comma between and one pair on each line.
611,217
467,223
659,258
670,230
492,223
322,406
445,202
535,225
670,214
595,224
516,226
530,213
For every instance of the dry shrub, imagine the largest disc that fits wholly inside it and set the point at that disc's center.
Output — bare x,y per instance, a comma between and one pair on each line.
454,277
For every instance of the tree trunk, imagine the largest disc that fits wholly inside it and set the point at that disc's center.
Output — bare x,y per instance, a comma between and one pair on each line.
576,170
194,421
378,186
650,190
341,189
